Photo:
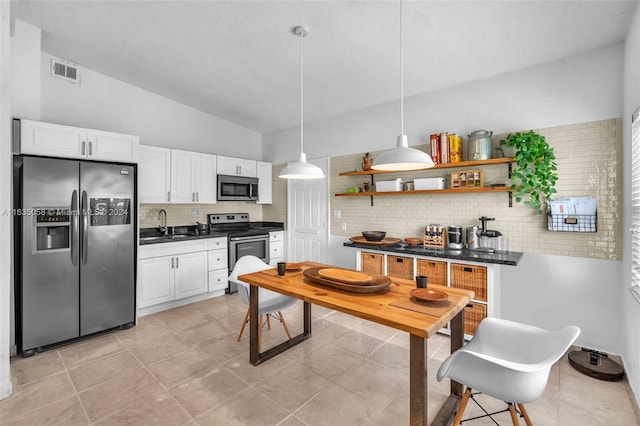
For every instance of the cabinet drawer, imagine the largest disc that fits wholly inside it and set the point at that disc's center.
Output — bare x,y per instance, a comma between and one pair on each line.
217,259
169,249
217,243
372,263
276,250
218,280
276,236
473,314
470,277
435,271
400,267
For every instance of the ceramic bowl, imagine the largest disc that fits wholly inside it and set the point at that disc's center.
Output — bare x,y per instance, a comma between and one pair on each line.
374,235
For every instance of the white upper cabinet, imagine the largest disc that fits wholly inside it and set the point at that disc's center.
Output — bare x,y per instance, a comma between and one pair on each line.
264,171
236,166
193,177
55,140
154,174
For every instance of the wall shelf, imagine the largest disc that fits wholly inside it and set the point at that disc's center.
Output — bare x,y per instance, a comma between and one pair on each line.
490,162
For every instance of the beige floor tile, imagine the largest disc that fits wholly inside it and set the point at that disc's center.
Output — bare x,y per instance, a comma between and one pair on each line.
178,368
249,408
241,367
159,409
110,397
90,350
204,332
293,386
330,361
140,336
68,412
226,348
392,356
171,314
103,370
206,390
326,331
292,420
190,319
35,395
26,370
378,331
347,321
357,343
161,349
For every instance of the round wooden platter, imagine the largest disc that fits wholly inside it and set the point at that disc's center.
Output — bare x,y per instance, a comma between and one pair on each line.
429,295
344,275
377,284
384,242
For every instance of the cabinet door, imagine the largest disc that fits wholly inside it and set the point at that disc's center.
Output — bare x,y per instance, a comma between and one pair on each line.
154,174
264,172
52,139
109,146
156,281
182,184
236,166
205,178
372,263
191,274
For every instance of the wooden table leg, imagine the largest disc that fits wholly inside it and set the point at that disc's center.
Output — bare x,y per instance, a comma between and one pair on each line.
417,381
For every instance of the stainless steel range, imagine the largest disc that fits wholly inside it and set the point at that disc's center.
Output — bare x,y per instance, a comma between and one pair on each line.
243,240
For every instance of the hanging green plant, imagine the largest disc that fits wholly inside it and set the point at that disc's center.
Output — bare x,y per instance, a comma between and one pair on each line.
534,177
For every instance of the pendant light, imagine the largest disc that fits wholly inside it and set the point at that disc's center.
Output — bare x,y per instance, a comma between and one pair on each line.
301,169
402,157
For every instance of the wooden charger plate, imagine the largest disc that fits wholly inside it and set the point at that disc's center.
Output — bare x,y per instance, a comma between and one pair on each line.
292,266
377,283
429,295
383,242
344,275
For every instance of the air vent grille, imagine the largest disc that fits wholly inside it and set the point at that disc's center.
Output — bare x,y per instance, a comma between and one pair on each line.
65,70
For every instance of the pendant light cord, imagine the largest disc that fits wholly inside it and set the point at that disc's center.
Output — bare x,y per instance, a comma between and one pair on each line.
401,75
301,94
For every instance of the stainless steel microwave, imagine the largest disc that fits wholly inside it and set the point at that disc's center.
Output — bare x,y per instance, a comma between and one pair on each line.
237,188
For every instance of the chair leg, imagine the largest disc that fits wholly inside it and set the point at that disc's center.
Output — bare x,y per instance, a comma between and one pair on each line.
461,408
527,419
268,322
284,324
244,324
514,415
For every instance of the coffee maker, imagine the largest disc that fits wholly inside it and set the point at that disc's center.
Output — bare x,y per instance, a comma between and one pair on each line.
454,237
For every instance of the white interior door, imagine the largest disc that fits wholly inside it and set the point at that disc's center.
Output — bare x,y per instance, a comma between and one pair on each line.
308,217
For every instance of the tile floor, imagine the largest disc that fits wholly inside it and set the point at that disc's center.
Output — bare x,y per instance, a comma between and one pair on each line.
184,367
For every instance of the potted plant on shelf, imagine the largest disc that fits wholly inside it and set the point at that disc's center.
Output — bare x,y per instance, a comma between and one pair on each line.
534,177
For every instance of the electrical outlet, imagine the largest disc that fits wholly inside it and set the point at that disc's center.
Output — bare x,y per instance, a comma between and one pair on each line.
344,226
195,213
337,214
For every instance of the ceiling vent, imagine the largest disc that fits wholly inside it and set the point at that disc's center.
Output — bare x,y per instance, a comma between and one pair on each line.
65,70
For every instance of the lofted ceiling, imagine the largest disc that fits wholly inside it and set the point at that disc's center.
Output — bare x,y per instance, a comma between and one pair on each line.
239,60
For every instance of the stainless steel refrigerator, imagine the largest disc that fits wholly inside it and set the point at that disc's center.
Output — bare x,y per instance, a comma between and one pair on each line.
75,238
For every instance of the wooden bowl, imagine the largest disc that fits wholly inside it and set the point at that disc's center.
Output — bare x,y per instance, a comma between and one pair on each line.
374,235
413,241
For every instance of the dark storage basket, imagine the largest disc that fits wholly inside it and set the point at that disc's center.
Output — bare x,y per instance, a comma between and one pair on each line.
572,222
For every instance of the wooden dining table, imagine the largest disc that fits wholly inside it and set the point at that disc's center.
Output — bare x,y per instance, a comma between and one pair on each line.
392,307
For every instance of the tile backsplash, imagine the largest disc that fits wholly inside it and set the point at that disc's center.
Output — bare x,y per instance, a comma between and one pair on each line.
588,156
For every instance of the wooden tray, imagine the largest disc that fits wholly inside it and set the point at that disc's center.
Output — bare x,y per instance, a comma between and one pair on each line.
377,283
345,276
383,242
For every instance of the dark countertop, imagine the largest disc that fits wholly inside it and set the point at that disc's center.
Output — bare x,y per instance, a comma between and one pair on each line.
188,233
508,258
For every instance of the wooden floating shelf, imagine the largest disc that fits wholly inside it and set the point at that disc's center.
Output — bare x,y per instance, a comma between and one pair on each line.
428,191
489,162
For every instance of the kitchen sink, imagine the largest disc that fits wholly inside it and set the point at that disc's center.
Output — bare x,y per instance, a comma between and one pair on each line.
165,237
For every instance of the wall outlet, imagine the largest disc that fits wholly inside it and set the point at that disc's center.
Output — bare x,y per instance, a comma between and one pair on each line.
337,214
195,213
344,226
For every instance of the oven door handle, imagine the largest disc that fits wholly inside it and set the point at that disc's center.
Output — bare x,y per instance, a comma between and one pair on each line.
251,237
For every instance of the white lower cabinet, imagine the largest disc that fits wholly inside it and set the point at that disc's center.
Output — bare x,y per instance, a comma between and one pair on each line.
276,247
172,271
217,261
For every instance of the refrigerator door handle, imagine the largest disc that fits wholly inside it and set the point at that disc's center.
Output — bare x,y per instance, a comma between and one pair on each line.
74,228
84,247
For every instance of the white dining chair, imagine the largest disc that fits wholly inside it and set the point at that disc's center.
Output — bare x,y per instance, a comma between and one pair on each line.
509,361
270,303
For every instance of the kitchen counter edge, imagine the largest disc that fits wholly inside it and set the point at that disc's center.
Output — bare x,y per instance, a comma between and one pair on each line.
510,258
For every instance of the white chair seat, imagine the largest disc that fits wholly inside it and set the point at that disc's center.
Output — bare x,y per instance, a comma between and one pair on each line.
508,360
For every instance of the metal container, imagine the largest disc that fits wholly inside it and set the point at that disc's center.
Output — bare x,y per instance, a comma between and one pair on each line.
480,145
473,239
454,237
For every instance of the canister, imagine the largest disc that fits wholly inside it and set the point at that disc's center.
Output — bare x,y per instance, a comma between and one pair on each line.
455,148
480,145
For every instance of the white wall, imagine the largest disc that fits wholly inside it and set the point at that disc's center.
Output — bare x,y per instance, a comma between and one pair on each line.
101,102
631,309
578,89
5,199
25,81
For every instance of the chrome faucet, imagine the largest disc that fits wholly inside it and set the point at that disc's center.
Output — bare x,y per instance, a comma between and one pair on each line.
163,228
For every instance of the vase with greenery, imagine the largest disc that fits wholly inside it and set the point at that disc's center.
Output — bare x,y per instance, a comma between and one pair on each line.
534,177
